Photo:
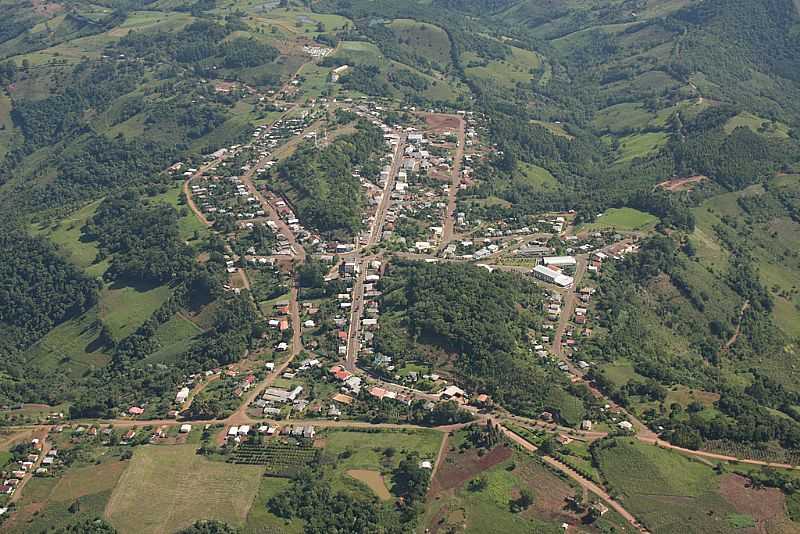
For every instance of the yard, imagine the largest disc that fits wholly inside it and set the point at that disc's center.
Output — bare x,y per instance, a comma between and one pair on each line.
168,488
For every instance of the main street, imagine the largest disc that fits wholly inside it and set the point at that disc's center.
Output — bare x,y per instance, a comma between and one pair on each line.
374,237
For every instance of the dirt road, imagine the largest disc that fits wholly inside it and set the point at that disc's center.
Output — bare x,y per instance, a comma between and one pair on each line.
584,483
449,222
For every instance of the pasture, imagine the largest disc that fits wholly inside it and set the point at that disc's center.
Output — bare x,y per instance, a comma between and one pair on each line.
640,145
758,125
537,177
124,308
66,235
70,347
168,488
521,66
45,502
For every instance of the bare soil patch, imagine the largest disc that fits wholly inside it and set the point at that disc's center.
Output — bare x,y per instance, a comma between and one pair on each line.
465,466
442,123
373,480
763,504
681,184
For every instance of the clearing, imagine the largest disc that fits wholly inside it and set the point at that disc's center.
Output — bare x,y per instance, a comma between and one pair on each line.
374,480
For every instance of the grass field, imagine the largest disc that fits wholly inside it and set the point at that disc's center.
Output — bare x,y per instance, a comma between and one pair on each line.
124,308
364,451
66,235
188,223
463,509
520,66
423,39
624,219
45,501
70,347
640,145
758,125
260,520
174,337
168,488
536,177
557,129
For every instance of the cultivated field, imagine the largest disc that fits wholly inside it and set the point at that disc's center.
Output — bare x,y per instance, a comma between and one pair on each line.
167,488
672,493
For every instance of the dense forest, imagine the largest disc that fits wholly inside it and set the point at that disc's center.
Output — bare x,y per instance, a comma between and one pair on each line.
480,319
321,184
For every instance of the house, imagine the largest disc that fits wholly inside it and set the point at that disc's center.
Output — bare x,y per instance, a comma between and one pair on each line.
244,430
377,392
626,426
599,509
233,431
129,435
135,410
342,398
453,392
309,432
182,395
546,416
426,464
586,425
282,346
185,428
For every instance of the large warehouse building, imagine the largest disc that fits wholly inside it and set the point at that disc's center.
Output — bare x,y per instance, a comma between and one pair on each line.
560,261
552,276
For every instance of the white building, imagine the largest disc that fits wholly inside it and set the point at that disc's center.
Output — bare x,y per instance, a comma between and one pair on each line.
182,395
552,276
560,261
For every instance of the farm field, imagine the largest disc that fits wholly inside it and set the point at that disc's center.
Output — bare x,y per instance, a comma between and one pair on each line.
260,520
623,219
456,503
152,495
45,501
640,145
71,347
758,125
555,128
174,337
423,39
671,493
520,66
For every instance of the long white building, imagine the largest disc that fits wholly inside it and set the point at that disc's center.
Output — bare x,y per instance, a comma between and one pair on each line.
552,276
560,261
